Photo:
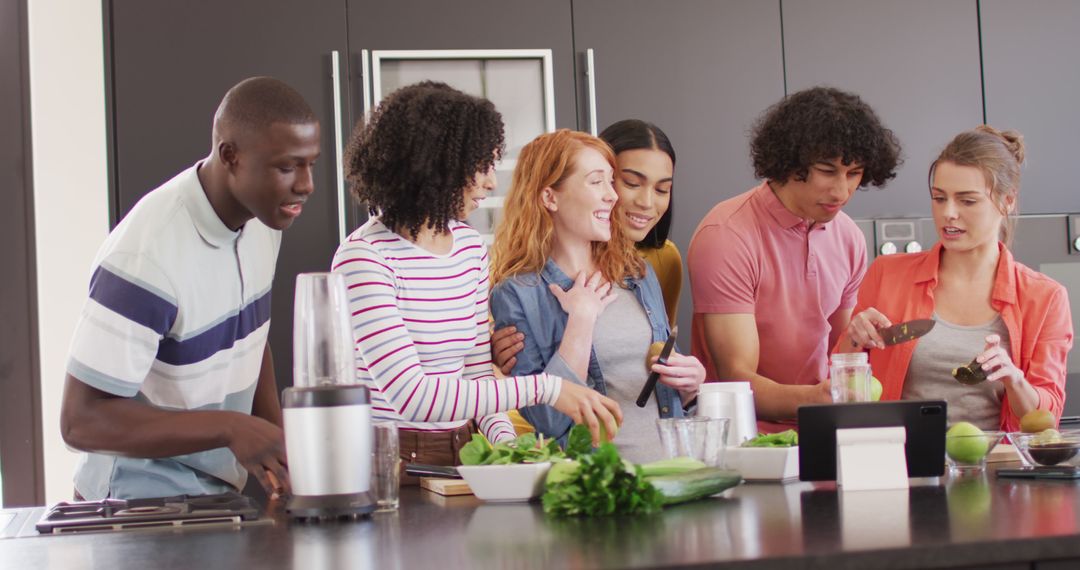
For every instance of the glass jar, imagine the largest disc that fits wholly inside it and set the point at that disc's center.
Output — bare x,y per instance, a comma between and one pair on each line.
849,377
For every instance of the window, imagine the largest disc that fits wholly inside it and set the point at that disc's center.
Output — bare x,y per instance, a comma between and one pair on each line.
518,82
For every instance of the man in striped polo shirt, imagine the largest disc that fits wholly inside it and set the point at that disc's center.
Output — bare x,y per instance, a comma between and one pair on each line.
170,384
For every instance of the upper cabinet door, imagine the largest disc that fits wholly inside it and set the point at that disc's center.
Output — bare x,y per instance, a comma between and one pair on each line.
465,25
1030,54
701,70
171,63
916,62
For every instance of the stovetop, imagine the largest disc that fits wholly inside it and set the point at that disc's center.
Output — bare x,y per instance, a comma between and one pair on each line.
115,514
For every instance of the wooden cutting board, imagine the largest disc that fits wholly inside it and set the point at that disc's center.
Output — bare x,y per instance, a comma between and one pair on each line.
1003,452
446,487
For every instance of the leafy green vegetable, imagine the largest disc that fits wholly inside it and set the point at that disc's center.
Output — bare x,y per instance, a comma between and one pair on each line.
527,448
561,471
579,442
600,485
476,451
789,438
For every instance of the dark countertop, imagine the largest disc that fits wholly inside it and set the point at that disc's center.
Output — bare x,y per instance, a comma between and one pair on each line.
951,522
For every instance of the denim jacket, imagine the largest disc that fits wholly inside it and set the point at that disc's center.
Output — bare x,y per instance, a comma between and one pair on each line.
525,302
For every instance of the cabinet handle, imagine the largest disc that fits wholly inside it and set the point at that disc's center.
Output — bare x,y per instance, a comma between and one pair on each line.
365,77
590,73
339,160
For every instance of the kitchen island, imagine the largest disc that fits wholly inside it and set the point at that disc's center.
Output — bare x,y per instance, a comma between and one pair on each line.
951,522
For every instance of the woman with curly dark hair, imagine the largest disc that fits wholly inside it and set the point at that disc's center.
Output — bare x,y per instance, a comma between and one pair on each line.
774,272
417,278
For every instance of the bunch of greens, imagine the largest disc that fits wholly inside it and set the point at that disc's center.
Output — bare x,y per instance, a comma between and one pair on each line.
527,448
599,484
789,438
579,442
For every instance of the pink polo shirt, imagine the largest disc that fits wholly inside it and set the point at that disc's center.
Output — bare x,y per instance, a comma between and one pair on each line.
751,255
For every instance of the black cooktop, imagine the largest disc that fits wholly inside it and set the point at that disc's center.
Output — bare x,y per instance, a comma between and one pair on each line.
115,515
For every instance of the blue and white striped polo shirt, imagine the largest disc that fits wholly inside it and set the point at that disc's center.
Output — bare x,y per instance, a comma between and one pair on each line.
177,316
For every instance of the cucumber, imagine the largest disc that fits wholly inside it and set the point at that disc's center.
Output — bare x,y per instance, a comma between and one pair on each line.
670,466
692,485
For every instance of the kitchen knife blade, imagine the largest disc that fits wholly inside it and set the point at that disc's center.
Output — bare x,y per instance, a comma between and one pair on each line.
904,332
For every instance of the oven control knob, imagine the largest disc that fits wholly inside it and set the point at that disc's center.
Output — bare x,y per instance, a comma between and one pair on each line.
913,247
888,248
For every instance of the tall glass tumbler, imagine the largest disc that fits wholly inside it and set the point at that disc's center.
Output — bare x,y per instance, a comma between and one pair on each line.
323,345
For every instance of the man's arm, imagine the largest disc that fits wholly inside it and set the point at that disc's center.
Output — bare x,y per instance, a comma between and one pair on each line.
93,420
733,344
838,322
267,403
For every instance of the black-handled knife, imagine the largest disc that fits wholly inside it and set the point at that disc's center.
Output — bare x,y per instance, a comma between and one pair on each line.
650,382
422,470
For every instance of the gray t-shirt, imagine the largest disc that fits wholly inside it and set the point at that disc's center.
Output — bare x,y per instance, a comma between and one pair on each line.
929,375
621,340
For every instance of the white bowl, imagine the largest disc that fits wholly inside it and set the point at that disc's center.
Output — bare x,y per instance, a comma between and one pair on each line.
519,482
764,463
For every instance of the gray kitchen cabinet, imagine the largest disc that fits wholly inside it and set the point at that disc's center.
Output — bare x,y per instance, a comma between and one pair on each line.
916,62
1030,53
170,63
701,70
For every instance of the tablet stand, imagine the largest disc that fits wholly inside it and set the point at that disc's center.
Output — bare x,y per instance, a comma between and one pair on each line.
871,459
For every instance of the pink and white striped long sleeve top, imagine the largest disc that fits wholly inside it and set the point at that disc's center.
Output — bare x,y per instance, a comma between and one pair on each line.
421,327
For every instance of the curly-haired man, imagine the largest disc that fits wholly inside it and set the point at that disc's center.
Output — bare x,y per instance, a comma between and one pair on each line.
774,272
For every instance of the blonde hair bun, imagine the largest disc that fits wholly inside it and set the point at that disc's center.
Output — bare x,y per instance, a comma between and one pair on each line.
1013,140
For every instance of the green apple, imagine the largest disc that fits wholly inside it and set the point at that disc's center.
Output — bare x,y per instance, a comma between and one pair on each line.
875,389
965,443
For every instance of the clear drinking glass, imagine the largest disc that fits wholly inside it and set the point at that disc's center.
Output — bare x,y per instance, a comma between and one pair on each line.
386,467
849,377
323,344
698,437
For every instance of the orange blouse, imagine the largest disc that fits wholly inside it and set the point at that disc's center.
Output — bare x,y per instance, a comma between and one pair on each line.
1035,309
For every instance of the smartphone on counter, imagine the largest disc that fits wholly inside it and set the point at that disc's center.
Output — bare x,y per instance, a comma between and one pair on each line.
1041,472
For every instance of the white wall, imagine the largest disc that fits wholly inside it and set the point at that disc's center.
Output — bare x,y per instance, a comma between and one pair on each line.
67,101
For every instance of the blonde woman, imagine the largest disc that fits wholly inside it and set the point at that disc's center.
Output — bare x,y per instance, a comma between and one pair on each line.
1014,320
570,280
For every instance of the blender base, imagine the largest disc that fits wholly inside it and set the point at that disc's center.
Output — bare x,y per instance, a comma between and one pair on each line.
330,506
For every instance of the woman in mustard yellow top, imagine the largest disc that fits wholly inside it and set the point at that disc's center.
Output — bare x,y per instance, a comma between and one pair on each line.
643,180
646,162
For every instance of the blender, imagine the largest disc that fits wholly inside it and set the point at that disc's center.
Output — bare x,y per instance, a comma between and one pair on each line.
327,415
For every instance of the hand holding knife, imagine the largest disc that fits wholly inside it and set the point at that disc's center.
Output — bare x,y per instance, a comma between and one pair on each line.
654,377
871,329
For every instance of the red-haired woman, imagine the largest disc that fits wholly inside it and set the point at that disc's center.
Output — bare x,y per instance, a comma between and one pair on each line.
570,279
